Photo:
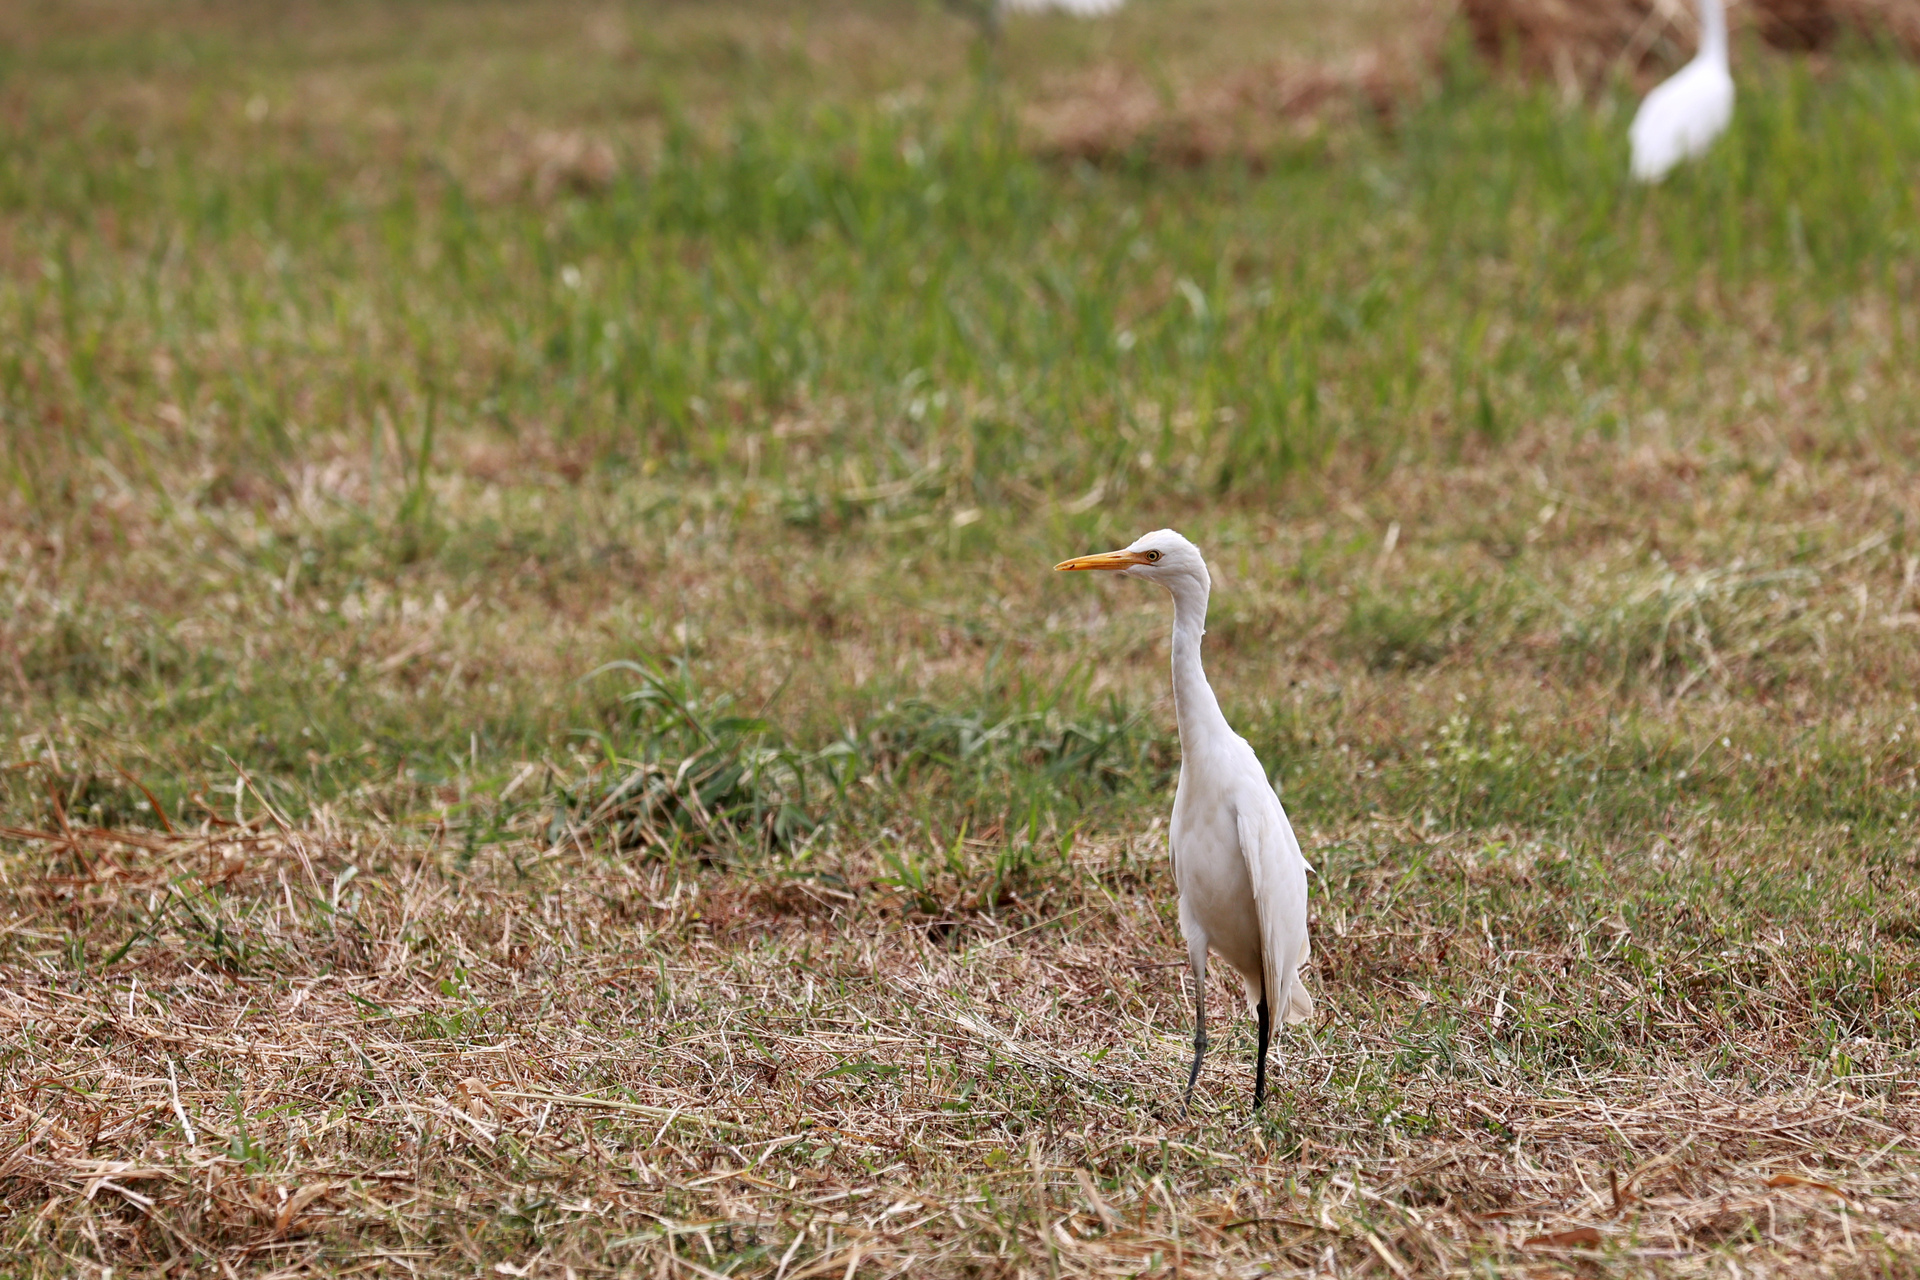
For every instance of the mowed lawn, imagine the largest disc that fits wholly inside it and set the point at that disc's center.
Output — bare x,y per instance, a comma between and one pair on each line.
538,735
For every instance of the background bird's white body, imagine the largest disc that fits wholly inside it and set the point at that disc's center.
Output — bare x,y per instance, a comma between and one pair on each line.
990,15
1078,8
1683,115
1242,880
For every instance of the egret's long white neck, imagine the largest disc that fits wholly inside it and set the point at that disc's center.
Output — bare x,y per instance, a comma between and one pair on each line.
1713,31
1194,705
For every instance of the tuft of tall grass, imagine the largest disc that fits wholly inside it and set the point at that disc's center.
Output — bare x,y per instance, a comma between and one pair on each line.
688,777
683,775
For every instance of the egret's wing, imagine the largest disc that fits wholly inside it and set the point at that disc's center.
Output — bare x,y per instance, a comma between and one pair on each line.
1279,876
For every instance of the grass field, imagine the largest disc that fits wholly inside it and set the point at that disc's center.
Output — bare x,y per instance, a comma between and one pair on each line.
540,736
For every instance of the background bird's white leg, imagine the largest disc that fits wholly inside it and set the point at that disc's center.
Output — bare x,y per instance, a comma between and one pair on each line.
1197,959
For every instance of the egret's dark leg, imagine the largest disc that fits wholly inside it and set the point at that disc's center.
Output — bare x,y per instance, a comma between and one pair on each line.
1260,1063
1199,958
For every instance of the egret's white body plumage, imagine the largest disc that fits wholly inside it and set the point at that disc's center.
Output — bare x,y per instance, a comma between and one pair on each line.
1241,877
1683,115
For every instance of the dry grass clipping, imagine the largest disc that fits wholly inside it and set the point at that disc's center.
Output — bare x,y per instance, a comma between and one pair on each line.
543,163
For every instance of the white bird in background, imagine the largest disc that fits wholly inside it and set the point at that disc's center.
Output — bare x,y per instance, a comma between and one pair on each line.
1242,881
989,15
1078,8
1682,116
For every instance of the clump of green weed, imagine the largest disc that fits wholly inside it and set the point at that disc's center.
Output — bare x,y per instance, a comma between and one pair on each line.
689,775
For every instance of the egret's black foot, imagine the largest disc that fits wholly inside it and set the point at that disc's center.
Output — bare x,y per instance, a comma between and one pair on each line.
1260,1062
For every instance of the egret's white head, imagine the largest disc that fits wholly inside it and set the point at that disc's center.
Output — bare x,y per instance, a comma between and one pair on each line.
1162,556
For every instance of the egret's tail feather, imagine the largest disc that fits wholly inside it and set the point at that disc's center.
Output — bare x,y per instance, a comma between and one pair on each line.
1299,999
1296,1002
1299,1002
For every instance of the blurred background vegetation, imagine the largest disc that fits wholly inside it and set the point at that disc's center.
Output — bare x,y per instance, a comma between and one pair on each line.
373,376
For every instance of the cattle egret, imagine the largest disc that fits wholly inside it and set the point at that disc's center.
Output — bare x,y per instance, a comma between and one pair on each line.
1242,881
1682,116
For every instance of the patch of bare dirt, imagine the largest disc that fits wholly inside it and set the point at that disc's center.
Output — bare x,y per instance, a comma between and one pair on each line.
1117,111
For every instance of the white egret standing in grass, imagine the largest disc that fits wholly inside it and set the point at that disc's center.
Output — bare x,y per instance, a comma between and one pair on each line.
1683,115
1242,881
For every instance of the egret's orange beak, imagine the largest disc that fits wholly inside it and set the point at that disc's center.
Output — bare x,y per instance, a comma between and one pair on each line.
1105,560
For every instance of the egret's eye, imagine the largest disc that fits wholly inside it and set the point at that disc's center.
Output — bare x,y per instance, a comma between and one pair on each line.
1153,557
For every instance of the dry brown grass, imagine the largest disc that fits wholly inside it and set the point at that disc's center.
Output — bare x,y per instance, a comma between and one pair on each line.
543,1057
1585,659
540,1062
1117,112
